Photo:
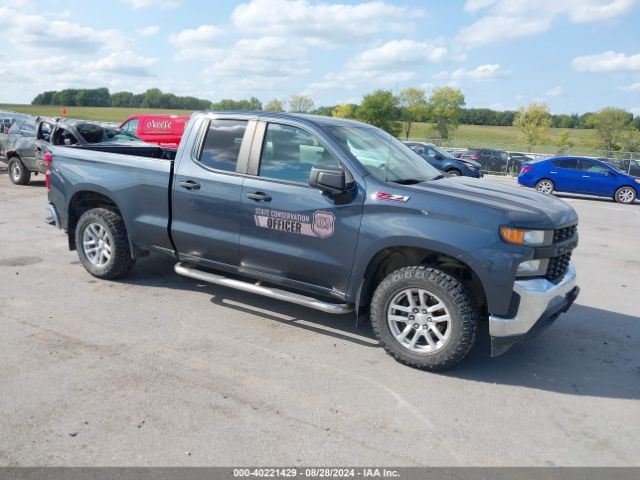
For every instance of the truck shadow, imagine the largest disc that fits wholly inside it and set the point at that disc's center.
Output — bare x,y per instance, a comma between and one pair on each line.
157,271
588,351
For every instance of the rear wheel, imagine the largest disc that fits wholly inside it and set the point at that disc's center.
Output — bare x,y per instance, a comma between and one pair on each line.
103,245
424,317
625,195
18,173
545,186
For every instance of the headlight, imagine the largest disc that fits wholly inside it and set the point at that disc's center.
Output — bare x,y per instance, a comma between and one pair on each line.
637,180
532,268
519,236
470,166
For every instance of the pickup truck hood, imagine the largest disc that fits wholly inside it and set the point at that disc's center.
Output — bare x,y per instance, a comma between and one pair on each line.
522,207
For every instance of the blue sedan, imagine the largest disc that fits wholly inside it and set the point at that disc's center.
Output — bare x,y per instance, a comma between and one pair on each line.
579,175
444,161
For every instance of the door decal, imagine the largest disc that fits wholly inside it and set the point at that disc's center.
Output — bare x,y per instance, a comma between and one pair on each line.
321,225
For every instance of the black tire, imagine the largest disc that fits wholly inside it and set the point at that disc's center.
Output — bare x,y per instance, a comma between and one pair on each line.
540,186
462,310
626,195
120,262
454,173
18,173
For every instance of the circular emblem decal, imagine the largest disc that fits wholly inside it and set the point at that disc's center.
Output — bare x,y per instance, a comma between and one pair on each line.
323,224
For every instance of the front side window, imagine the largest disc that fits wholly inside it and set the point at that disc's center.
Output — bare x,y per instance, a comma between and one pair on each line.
289,153
593,167
222,144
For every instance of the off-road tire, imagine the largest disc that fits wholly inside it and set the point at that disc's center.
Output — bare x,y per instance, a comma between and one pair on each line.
24,176
545,180
458,301
120,262
628,200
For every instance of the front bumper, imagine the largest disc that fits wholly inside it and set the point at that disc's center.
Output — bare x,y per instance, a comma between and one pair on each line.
541,302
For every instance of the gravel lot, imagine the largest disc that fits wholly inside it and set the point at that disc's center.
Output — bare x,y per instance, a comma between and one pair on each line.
160,370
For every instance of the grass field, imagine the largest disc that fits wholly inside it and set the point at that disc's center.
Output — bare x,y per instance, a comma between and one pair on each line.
507,138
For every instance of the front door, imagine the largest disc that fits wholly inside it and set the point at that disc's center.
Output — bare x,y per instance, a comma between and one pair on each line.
289,230
596,178
206,194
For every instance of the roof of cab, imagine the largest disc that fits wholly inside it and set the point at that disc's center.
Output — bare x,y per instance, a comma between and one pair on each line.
317,120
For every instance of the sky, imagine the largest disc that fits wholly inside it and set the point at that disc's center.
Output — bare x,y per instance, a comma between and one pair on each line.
575,55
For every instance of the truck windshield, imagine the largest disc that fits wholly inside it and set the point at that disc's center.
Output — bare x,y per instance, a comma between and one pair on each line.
384,157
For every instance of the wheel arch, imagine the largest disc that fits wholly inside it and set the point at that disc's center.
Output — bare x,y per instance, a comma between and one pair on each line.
82,201
391,258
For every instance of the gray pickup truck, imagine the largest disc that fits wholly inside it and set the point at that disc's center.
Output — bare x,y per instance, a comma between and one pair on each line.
332,214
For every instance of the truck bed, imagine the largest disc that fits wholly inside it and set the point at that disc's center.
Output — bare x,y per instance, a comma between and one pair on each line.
137,178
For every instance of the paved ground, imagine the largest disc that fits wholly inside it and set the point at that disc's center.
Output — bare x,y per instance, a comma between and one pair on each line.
161,370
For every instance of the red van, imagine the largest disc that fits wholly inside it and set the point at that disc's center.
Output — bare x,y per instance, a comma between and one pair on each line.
163,130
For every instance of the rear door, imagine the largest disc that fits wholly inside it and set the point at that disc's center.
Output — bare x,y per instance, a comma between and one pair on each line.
565,174
596,178
290,231
207,191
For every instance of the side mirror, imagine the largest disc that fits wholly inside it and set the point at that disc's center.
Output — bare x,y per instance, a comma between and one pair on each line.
330,181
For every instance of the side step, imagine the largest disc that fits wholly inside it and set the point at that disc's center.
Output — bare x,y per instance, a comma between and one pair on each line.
335,308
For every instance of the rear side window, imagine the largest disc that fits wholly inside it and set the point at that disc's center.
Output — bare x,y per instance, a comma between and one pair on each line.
289,153
569,163
222,144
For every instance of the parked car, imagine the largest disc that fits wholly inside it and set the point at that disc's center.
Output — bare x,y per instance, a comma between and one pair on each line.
5,124
26,156
20,150
628,166
331,214
444,161
491,160
163,130
579,175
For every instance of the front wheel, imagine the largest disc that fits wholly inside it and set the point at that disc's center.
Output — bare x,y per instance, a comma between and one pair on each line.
625,195
454,173
103,245
424,317
545,186
18,173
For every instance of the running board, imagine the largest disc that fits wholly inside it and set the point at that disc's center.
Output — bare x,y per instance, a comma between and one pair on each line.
335,308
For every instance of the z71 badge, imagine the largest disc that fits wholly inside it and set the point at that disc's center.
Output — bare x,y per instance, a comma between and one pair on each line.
321,225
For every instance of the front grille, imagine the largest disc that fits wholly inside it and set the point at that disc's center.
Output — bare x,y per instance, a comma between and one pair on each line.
559,265
564,233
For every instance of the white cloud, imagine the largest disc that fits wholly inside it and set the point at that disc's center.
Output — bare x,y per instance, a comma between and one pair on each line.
507,19
31,32
161,4
383,66
198,43
148,31
606,62
634,87
482,73
554,92
322,23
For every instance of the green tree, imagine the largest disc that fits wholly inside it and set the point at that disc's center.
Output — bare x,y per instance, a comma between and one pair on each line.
380,109
346,110
445,109
564,143
122,99
152,98
532,122
300,104
413,107
611,125
274,105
